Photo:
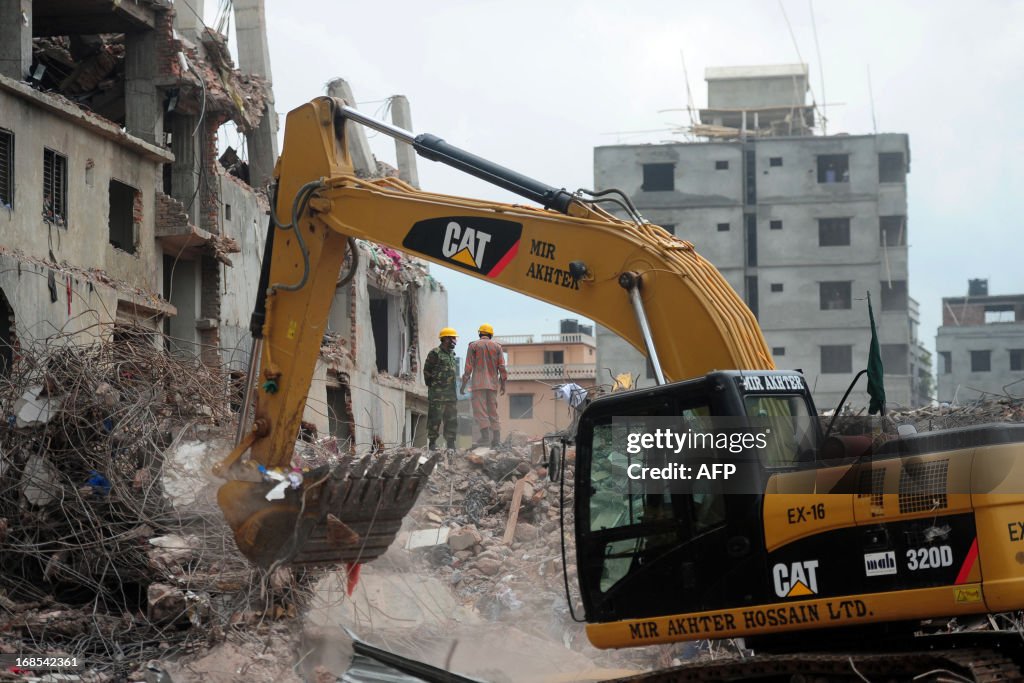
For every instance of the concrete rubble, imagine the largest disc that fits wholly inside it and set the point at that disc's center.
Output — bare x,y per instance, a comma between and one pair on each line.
112,549
497,574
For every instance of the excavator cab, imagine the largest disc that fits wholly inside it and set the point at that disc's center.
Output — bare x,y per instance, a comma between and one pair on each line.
806,533
695,535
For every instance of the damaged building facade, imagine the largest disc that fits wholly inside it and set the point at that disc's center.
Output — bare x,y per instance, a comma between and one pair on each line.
368,383
123,212
119,218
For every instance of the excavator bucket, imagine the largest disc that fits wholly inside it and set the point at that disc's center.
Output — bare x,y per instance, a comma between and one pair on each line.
350,512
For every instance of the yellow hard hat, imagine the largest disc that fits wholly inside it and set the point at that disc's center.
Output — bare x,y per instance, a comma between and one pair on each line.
447,332
486,329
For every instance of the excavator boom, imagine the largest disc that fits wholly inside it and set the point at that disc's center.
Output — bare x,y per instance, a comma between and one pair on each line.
572,253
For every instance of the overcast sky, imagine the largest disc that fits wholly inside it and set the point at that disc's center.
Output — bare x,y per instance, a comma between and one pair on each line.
536,86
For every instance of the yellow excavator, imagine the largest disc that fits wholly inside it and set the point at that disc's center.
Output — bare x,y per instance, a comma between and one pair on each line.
819,542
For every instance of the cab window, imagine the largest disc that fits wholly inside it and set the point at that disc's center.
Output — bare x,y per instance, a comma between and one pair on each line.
660,520
792,434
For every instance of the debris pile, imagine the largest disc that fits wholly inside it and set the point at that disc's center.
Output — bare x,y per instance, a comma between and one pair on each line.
489,527
96,558
502,549
945,416
392,268
900,422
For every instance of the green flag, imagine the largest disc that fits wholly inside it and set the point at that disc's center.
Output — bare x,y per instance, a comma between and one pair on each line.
876,373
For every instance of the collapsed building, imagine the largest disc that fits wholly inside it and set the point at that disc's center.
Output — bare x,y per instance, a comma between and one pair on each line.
131,241
124,213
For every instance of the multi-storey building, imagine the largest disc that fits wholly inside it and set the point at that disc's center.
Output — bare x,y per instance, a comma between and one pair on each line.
122,213
981,345
802,226
536,366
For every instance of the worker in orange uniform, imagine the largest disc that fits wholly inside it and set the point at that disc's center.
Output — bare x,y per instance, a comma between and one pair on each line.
485,366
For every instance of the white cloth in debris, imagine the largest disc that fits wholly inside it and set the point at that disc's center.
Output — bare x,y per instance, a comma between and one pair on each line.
572,392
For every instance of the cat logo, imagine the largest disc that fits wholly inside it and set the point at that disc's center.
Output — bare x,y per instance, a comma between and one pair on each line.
796,580
465,245
480,245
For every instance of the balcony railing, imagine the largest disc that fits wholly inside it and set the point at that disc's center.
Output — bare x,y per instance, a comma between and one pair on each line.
573,338
553,372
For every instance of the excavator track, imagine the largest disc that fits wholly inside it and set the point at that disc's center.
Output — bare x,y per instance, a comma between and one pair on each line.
346,513
975,664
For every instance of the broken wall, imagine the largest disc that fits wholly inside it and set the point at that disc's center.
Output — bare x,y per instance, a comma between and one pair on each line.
75,244
383,404
243,220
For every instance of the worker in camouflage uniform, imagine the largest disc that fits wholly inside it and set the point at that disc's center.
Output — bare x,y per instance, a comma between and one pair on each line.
439,373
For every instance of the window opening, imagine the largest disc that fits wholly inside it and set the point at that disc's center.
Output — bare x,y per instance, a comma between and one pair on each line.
55,188
6,169
833,232
837,359
891,168
659,177
834,168
894,295
520,406
124,200
835,296
947,361
981,361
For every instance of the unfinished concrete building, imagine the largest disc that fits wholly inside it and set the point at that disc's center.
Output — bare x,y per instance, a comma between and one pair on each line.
801,225
981,345
124,212
118,214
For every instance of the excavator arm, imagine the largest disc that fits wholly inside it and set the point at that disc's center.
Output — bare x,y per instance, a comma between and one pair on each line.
634,278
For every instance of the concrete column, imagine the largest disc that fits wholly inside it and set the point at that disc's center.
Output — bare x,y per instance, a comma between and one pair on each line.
143,110
15,38
185,169
406,155
254,58
358,146
187,22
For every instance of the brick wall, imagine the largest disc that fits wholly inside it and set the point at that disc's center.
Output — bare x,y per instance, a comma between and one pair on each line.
210,276
956,312
170,215
167,47
137,215
209,207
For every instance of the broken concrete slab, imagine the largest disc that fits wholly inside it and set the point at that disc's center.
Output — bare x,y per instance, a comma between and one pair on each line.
32,409
424,538
39,481
165,604
463,539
